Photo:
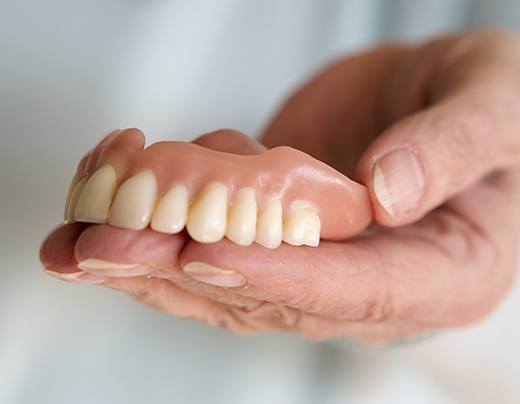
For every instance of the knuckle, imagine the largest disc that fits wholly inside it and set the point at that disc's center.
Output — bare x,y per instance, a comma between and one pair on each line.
373,311
485,265
266,316
493,35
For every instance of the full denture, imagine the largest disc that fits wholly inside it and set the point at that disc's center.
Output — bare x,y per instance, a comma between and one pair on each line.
280,195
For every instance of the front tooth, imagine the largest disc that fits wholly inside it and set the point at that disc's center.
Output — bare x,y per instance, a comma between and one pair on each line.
134,202
242,218
96,197
172,210
302,225
74,196
269,226
207,216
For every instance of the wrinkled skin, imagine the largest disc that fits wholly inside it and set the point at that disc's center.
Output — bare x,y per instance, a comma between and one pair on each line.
447,262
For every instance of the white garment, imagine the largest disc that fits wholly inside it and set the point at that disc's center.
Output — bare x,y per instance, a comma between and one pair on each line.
70,71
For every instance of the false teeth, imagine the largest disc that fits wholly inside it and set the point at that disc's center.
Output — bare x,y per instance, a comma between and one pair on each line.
171,211
134,202
242,218
269,225
72,185
74,196
208,215
302,225
208,220
95,199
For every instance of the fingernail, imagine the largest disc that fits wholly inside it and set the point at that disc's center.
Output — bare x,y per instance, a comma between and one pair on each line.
114,269
214,276
398,182
63,275
75,277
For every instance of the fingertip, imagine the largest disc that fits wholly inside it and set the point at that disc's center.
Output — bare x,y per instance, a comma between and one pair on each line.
57,250
266,272
396,186
230,141
129,251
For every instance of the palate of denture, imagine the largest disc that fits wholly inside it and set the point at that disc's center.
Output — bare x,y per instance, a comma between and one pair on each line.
280,195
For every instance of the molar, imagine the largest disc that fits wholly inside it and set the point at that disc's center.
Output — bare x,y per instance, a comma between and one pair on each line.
134,202
207,217
95,199
171,212
269,225
302,225
242,218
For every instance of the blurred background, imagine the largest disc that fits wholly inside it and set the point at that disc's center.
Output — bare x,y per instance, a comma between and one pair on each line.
72,70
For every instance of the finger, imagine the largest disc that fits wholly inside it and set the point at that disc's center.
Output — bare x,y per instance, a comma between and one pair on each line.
57,255
470,130
336,114
413,275
164,295
110,251
190,301
374,333
230,141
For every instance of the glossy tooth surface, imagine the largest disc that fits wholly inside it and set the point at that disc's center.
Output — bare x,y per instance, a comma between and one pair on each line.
96,197
134,202
171,212
72,185
74,196
269,225
242,218
208,216
302,225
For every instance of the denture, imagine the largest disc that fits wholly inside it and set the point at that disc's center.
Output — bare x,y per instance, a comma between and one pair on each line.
281,195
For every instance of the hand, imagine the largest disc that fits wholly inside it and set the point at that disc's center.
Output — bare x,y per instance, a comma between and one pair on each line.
433,131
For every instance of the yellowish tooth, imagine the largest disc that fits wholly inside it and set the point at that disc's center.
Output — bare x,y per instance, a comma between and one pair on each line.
72,185
171,212
96,197
242,218
208,216
269,225
134,202
74,196
302,225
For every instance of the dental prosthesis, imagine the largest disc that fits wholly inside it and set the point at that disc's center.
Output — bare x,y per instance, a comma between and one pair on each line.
279,195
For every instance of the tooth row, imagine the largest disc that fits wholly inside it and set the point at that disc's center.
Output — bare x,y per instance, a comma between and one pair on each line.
207,219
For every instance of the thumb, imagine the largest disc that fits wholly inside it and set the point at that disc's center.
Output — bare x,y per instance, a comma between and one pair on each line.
429,157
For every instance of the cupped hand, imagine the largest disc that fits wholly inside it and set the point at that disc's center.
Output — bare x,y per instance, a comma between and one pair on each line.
433,131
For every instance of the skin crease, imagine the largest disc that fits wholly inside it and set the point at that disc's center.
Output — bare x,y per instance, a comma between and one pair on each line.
445,263
342,204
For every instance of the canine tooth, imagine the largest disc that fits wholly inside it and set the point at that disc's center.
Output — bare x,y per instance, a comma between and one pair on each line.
72,185
242,218
207,217
96,197
269,225
171,212
302,225
74,196
134,202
